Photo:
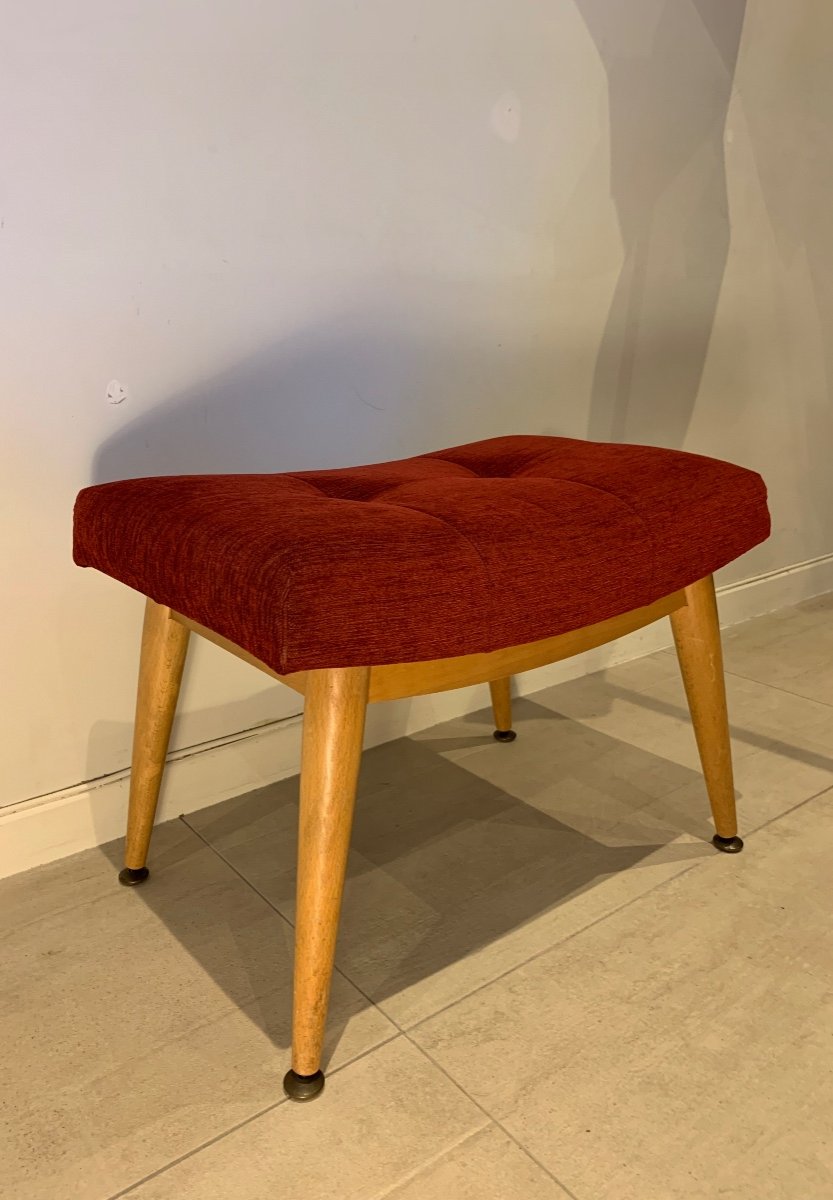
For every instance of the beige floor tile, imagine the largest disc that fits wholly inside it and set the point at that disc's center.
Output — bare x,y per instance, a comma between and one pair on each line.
488,1166
472,732
655,718
135,1024
684,1046
377,1121
470,857
672,1038
764,717
455,878
767,785
782,743
791,649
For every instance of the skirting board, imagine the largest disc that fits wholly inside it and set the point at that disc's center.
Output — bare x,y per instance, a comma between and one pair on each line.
89,814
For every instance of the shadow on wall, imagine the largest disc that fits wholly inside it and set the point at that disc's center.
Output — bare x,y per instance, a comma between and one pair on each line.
388,378
380,381
787,102
361,386
670,67
109,744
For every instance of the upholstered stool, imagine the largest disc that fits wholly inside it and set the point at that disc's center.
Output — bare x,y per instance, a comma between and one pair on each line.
460,567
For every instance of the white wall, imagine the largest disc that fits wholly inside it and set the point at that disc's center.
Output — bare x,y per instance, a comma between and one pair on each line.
313,232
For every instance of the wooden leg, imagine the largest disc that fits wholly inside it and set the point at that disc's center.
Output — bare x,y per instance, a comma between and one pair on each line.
502,709
697,637
334,713
164,646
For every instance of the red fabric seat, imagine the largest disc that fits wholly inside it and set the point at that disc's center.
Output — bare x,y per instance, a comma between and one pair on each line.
487,545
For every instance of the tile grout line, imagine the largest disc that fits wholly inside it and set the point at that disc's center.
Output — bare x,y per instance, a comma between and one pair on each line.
491,1118
403,1032
219,1137
546,949
740,675
495,1120
337,969
406,1033
403,1029
669,650
233,868
196,1150
398,1031
777,688
407,1030
788,811
410,1176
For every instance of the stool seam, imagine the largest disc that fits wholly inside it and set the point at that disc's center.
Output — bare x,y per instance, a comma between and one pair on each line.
549,453
441,456
638,515
284,621
490,582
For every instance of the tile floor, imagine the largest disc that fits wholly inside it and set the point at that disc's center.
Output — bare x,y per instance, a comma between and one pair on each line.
550,985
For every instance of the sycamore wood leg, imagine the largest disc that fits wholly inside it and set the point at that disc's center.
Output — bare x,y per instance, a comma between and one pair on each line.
697,638
502,709
164,646
334,714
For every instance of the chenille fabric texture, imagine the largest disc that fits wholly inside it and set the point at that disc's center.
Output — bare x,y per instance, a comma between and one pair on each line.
471,549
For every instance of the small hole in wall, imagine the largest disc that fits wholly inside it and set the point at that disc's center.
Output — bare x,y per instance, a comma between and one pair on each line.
116,392
505,117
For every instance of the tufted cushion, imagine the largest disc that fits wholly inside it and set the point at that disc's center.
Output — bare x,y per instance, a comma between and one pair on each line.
487,545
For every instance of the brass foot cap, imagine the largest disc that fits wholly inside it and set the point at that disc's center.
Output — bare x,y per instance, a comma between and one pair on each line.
303,1087
732,845
130,876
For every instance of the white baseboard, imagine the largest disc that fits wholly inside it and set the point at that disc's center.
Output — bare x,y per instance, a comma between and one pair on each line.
88,814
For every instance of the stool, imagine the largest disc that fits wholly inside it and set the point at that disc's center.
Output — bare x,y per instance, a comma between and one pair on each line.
404,578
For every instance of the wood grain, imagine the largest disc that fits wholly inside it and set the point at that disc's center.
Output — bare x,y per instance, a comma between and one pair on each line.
502,702
395,681
697,638
398,680
334,714
295,681
162,658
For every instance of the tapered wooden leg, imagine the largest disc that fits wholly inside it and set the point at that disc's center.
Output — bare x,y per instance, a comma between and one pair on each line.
164,646
502,709
334,713
697,637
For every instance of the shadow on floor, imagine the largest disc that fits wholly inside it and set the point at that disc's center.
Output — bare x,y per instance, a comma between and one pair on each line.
761,741
443,862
